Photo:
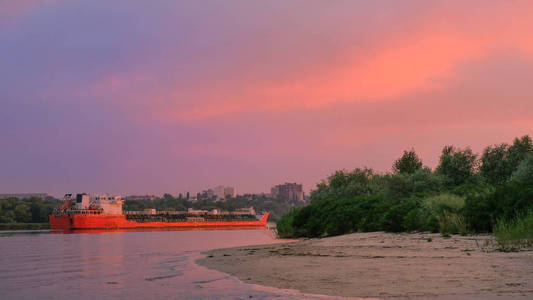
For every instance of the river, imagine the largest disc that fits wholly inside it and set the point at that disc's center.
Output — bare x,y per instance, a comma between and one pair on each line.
125,265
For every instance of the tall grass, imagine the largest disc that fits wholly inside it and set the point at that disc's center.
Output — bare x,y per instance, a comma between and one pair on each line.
446,209
451,223
515,234
444,202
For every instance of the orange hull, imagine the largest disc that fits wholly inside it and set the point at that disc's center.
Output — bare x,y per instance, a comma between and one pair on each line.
105,221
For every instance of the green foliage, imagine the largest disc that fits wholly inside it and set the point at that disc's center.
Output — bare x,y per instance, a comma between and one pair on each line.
345,184
523,174
458,197
393,219
500,162
451,223
514,234
444,202
458,166
30,210
22,213
446,211
494,167
339,216
512,199
518,151
408,163
426,181
479,210
284,225
414,220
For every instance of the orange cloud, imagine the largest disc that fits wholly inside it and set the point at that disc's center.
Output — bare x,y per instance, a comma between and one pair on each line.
420,60
417,64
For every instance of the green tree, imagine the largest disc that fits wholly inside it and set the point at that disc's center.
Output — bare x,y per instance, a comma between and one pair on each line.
398,187
168,197
518,151
494,166
457,165
408,163
524,172
499,162
35,209
8,217
479,210
22,213
424,180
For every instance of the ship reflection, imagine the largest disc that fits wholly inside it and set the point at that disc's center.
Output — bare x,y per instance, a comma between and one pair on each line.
74,231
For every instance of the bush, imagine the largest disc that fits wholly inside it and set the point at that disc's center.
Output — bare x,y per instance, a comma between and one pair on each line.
444,202
457,197
512,199
514,234
479,210
444,212
451,223
284,225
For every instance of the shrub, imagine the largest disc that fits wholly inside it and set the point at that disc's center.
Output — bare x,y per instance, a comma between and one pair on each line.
444,202
479,210
445,210
284,225
451,223
514,234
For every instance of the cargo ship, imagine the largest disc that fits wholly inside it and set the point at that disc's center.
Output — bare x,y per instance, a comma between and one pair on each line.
85,211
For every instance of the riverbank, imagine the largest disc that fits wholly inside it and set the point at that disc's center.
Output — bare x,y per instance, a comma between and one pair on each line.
24,226
384,265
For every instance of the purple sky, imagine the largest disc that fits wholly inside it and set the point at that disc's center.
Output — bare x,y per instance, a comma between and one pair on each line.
137,97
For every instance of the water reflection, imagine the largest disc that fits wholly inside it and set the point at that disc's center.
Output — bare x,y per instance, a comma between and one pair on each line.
74,231
125,265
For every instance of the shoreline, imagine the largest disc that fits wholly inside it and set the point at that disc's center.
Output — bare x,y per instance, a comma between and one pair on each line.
383,265
24,226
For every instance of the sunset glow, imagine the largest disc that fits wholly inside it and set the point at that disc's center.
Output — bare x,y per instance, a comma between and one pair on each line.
169,96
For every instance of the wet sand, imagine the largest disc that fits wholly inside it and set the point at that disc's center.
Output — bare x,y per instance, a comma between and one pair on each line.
383,265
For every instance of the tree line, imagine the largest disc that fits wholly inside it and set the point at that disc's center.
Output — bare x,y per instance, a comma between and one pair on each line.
28,210
465,193
276,206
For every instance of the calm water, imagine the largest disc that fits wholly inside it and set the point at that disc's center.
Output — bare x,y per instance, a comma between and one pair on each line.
125,265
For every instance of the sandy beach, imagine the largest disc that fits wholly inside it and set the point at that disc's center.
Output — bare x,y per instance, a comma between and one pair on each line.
384,265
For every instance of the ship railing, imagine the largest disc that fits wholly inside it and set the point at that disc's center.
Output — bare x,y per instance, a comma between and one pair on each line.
159,212
84,211
136,212
170,212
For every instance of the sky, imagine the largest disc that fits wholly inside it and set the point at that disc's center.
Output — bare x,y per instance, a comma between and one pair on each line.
148,97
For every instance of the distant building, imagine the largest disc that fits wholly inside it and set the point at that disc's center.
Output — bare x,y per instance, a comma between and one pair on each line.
230,192
288,192
219,192
24,195
206,195
210,193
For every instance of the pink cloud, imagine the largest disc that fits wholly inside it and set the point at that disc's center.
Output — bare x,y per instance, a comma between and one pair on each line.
426,58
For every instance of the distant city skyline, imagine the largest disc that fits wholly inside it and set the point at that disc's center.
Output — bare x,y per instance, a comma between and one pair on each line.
144,97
